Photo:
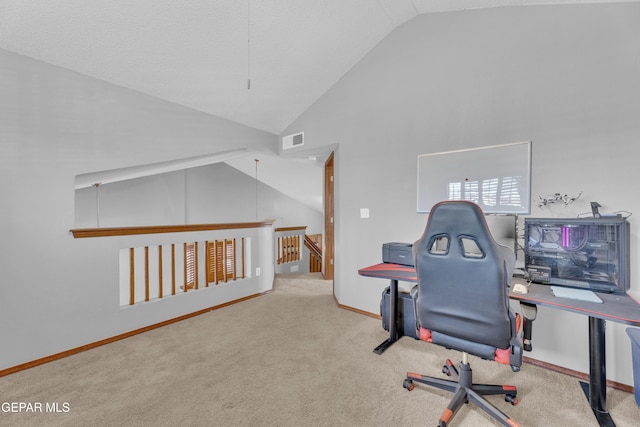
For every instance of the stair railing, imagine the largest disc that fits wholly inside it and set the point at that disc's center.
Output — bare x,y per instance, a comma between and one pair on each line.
315,255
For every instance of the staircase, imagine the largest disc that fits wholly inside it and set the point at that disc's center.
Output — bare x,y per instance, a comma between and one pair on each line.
289,250
315,252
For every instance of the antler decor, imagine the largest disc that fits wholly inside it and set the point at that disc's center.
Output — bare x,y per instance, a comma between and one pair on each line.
557,198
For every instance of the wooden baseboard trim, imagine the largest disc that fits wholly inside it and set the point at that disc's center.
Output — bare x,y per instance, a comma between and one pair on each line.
576,374
555,368
70,352
357,310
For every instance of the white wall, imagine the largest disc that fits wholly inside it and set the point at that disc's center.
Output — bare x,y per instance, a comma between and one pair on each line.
209,185
565,77
58,292
216,193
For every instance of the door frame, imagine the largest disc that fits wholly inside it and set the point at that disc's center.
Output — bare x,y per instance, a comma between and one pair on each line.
328,245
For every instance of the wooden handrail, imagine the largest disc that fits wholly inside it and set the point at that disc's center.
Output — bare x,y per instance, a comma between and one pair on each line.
315,255
155,229
312,246
281,229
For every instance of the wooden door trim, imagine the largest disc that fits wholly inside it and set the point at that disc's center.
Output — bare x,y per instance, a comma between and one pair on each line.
329,220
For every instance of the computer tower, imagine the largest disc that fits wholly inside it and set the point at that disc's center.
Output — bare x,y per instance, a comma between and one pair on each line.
407,325
587,253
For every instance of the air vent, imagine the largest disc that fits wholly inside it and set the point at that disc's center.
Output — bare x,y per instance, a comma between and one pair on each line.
290,141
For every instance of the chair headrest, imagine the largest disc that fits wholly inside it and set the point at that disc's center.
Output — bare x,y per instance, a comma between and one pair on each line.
459,217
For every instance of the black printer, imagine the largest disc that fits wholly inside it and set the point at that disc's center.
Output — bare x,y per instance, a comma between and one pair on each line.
398,253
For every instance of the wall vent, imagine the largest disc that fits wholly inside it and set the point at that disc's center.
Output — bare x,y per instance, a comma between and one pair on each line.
290,141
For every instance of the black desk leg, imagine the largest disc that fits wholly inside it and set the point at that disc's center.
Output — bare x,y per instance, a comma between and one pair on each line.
393,319
596,390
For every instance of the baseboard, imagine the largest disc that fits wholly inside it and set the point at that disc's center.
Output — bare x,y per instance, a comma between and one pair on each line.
357,310
580,375
555,368
57,356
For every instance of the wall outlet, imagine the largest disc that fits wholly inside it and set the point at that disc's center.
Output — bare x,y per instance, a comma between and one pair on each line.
257,271
364,212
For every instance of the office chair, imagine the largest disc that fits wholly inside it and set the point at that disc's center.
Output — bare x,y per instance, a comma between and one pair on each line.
462,303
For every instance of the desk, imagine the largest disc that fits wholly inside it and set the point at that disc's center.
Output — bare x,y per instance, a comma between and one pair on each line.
621,308
393,272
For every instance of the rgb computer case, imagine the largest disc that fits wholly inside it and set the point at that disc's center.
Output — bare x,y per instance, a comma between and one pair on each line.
588,253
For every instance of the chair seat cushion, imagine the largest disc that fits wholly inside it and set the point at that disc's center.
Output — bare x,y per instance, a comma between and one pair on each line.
500,355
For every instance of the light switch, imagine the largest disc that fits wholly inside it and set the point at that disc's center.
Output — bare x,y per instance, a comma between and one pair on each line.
364,212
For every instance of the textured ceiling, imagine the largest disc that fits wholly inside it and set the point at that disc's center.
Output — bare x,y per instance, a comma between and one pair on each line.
201,53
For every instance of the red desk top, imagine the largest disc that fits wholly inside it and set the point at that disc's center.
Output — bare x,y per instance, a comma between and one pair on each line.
390,271
622,308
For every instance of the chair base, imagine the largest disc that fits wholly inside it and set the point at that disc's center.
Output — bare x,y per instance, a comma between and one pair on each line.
464,391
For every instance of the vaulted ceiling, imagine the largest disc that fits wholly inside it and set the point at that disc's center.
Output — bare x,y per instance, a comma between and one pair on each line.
259,63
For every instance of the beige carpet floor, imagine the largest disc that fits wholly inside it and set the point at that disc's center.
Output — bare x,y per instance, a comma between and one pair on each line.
288,358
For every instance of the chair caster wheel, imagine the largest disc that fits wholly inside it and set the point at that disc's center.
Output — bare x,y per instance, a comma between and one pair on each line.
408,384
511,398
449,369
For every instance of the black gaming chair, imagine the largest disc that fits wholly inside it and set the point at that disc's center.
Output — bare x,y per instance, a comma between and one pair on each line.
463,303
